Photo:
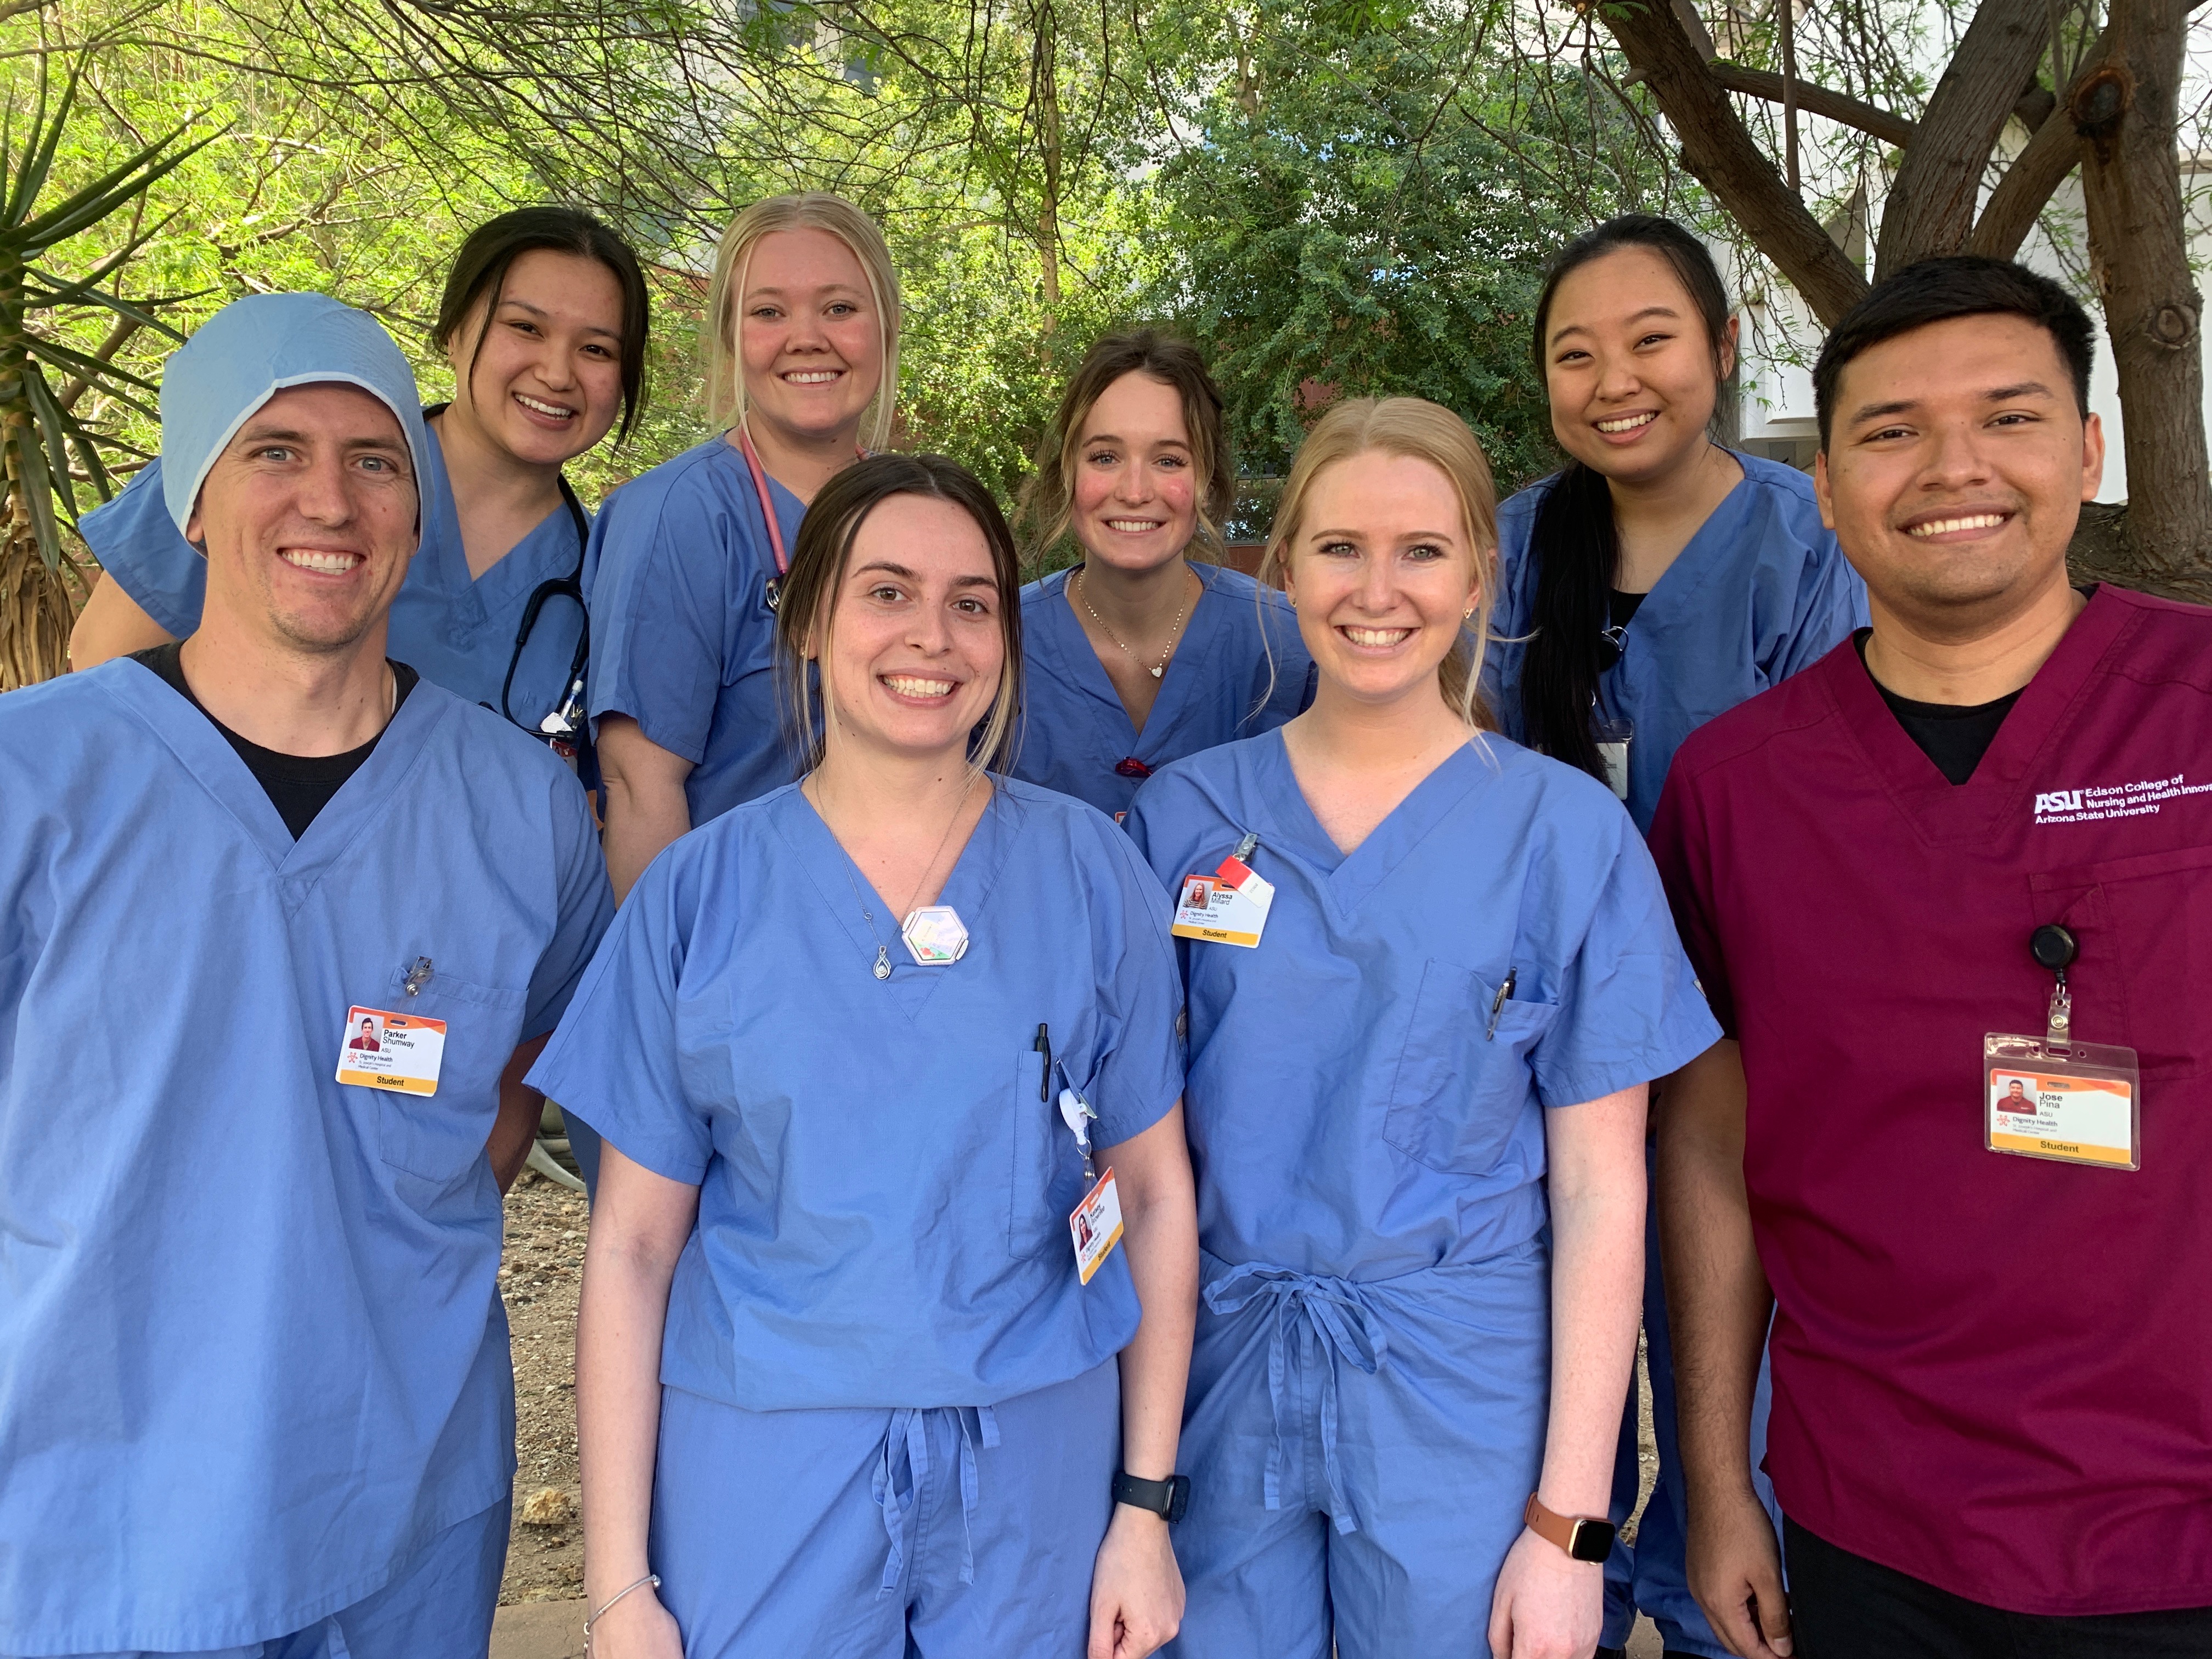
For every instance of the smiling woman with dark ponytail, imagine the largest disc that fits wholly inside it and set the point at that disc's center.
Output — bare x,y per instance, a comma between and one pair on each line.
1659,578
1655,582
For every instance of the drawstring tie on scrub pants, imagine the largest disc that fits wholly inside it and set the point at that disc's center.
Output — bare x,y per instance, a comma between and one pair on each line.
1335,1315
906,1450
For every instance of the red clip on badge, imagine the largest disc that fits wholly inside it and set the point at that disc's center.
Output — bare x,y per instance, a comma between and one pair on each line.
1132,768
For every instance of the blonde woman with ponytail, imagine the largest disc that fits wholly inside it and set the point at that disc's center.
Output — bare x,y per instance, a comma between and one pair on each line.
801,346
1429,976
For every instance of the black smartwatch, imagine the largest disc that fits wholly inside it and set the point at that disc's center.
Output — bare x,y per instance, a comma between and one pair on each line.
1166,1498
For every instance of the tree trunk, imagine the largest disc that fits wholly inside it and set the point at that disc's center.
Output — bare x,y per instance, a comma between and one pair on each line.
1938,185
36,607
2127,111
1044,96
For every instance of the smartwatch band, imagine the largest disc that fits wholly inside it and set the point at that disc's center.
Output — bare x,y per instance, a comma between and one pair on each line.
1583,1537
1166,1498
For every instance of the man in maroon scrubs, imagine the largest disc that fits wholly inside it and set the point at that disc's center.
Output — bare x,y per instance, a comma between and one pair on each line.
1992,1422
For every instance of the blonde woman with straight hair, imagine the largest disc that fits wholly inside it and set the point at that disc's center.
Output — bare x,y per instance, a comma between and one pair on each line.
1430,974
866,1367
801,343
1148,650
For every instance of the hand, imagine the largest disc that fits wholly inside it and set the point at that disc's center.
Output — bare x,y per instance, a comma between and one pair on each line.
1136,1588
637,1627
1547,1605
1736,1573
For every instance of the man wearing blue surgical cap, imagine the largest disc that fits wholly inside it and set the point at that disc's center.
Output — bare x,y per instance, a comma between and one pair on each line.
255,1398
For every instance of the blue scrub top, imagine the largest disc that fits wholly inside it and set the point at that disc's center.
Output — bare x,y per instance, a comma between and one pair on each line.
1348,1116
454,630
683,636
252,1350
883,1193
1761,590
1240,670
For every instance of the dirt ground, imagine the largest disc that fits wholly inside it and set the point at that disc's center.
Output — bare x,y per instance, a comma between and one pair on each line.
539,1278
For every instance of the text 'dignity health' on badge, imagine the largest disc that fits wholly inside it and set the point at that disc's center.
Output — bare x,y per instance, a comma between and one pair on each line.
385,1050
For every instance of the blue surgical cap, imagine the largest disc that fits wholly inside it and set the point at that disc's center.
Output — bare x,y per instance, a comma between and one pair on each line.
251,349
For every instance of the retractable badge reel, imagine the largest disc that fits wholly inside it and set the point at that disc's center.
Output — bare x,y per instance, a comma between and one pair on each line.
2052,1096
1095,1224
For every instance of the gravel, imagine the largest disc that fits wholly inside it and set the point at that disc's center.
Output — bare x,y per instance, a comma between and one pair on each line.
539,1277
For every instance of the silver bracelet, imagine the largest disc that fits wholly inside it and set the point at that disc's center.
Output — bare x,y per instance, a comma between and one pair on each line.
652,1579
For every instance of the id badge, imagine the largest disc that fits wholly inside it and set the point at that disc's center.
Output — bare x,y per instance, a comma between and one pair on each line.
2077,1102
1613,738
385,1050
1095,1224
1229,907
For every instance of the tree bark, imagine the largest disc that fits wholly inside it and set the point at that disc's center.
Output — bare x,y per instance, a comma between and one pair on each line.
1720,152
2053,151
1933,200
2127,110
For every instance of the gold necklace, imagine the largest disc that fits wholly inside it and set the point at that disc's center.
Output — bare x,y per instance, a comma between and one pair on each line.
1175,629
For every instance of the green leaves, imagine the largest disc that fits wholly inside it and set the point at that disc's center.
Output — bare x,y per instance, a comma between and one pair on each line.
45,448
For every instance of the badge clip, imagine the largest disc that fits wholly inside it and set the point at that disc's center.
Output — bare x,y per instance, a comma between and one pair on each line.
417,977
1077,1113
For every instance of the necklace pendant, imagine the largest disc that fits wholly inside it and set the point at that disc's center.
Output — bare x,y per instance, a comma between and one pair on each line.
883,963
935,936
1156,672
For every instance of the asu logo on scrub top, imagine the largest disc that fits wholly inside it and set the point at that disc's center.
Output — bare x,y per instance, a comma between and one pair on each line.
2139,799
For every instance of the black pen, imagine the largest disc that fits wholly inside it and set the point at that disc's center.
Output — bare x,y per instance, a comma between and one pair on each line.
1043,1046
1498,1003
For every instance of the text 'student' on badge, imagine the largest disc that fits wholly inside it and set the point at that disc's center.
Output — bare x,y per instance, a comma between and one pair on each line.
935,936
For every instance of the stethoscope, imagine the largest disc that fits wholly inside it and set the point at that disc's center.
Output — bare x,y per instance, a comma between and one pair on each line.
564,728
774,592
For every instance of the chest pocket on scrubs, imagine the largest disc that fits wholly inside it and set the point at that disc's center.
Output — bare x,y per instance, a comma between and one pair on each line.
2145,924
440,1137
1047,1170
1455,1096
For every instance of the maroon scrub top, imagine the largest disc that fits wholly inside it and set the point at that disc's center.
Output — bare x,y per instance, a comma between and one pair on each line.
1992,1373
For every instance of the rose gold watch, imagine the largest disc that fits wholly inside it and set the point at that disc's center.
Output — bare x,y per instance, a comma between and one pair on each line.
1585,1537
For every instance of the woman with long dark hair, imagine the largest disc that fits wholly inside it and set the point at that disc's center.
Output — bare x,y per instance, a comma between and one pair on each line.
1657,581
544,319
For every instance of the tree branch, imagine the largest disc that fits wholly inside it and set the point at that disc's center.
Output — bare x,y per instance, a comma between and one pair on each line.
1939,185
2051,154
1816,101
1718,148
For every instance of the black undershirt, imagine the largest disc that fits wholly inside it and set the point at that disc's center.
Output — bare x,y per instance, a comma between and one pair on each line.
298,785
1624,606
1955,736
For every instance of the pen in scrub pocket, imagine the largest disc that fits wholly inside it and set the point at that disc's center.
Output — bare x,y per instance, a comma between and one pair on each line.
1498,1003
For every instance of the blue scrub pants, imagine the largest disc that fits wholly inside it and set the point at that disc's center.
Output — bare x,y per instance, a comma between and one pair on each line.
438,1605
951,1531
1652,1576
1359,1455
